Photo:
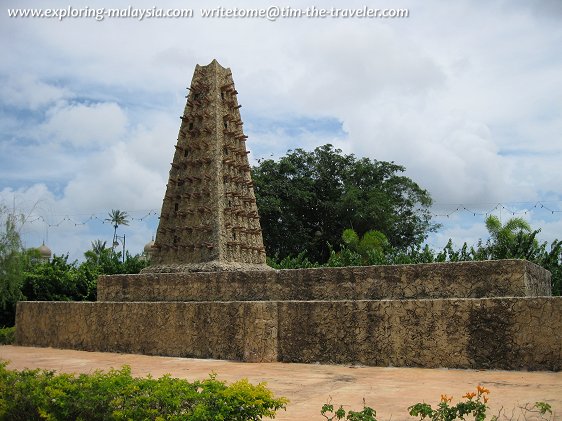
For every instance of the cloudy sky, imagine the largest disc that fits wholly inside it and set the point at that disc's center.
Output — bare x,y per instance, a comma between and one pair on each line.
467,95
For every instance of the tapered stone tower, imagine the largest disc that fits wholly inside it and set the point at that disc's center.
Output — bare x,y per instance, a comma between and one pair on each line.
209,219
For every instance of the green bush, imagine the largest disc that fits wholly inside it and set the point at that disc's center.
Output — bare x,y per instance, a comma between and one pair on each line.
116,395
366,414
7,335
299,262
473,407
373,249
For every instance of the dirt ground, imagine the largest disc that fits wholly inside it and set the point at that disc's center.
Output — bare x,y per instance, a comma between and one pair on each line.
388,390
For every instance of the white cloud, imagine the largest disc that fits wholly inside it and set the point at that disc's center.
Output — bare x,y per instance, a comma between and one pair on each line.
272,144
151,142
467,97
333,80
68,227
113,179
85,125
26,91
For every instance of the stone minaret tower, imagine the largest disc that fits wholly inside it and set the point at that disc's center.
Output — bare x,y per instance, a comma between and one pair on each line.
209,219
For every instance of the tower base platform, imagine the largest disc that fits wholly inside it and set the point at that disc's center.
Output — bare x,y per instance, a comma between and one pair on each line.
286,316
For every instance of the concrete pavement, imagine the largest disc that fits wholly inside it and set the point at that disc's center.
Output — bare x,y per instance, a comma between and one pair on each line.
308,386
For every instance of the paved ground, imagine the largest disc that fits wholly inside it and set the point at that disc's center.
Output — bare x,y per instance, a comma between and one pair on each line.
389,390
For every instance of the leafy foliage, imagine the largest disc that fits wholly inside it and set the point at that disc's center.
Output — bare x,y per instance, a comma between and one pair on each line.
57,280
306,199
116,395
116,218
7,335
474,405
12,261
106,262
371,247
366,414
25,276
61,280
288,262
513,240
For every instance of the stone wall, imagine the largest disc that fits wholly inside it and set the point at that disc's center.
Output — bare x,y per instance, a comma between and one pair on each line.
503,278
499,333
244,331
434,315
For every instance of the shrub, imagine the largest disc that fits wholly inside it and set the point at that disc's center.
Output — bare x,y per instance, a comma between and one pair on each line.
116,395
472,408
7,335
288,262
475,405
366,414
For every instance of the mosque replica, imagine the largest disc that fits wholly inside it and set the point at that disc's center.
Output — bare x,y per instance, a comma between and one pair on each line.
209,219
209,293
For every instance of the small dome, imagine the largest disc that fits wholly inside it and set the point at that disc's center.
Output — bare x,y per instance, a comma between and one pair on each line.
149,246
44,251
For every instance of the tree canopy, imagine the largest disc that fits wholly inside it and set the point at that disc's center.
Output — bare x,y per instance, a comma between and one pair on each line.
306,200
11,263
515,239
28,277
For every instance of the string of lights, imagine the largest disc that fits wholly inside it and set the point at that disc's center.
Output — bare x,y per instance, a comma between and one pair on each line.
474,209
76,221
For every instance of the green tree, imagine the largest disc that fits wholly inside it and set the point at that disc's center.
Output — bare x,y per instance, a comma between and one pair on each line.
373,249
56,280
306,199
104,261
552,260
506,240
98,248
61,280
24,276
369,249
12,260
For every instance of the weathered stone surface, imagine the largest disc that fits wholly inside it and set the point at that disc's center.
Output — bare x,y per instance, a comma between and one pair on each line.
209,219
502,278
500,333
232,331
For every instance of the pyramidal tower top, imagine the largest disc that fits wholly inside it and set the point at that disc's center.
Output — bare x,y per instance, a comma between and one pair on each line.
209,219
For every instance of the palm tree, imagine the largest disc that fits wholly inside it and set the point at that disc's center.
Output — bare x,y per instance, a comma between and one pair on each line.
507,238
98,247
509,230
117,217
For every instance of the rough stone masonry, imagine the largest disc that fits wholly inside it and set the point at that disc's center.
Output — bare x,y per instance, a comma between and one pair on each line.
209,219
209,293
